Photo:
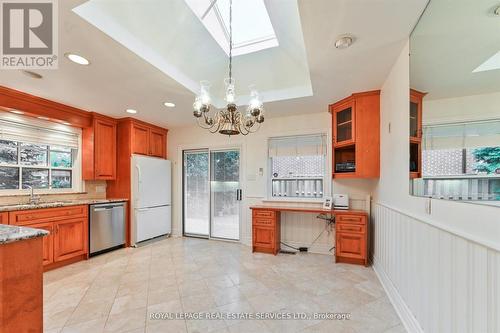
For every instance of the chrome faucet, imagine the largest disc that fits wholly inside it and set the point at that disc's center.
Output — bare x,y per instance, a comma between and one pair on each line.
34,199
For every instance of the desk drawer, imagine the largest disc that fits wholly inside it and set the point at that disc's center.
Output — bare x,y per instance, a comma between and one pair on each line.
354,228
270,214
25,217
264,221
352,219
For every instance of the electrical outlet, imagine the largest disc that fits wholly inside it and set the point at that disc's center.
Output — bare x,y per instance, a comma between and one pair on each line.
100,189
261,172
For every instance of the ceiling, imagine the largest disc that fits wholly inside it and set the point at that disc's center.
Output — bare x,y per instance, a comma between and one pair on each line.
118,78
444,57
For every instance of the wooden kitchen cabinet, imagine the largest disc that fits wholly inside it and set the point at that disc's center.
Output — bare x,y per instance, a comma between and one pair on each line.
99,149
416,101
47,242
351,238
68,227
157,143
148,140
4,218
70,238
356,136
140,139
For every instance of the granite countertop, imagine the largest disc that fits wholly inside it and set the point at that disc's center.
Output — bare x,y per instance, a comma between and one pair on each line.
11,233
54,204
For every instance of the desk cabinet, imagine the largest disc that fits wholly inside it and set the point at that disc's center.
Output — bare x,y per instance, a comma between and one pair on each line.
266,231
351,239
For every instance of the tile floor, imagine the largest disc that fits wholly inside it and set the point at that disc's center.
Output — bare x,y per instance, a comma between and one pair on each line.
116,292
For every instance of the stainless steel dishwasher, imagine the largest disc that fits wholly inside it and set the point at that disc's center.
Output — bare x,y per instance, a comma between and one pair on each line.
107,227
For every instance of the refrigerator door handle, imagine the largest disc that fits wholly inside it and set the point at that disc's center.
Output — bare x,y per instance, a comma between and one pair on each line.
139,176
142,209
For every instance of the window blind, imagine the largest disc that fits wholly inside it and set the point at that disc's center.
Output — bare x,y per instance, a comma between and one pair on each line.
462,135
305,145
17,131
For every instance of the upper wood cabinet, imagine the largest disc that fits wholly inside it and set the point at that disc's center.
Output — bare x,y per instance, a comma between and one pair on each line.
356,136
140,139
415,116
99,149
148,139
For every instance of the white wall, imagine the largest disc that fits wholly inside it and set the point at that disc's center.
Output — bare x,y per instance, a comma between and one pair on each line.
465,108
442,270
297,229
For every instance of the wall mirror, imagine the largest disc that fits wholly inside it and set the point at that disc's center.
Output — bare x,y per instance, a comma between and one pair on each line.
454,115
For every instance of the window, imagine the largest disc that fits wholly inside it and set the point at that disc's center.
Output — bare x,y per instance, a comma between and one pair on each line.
252,27
460,161
298,166
39,157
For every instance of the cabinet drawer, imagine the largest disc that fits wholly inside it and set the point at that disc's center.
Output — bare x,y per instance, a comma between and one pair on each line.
271,214
356,219
26,217
264,221
354,228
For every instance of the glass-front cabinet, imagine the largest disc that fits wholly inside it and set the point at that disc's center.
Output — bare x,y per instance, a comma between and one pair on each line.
343,124
416,98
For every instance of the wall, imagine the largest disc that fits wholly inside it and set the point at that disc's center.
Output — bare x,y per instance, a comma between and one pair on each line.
297,229
93,189
441,270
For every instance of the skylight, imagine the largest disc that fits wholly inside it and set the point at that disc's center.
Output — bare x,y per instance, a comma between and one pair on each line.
252,28
490,64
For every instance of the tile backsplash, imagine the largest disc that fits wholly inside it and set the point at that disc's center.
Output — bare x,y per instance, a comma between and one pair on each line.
94,189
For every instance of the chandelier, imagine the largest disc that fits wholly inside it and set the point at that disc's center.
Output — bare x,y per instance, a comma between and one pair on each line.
228,121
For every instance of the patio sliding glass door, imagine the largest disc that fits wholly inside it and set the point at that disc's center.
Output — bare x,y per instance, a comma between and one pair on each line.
211,193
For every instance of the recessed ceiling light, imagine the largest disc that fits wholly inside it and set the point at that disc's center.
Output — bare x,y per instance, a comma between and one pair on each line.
43,118
31,74
77,59
343,42
17,112
169,104
131,111
65,123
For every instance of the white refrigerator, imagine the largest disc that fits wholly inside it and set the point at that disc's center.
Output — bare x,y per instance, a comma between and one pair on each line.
151,198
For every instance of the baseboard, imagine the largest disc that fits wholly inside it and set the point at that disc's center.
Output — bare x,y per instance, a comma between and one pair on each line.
407,318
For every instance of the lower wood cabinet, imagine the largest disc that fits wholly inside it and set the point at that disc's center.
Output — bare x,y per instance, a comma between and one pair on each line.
70,239
4,218
266,231
68,228
47,241
351,239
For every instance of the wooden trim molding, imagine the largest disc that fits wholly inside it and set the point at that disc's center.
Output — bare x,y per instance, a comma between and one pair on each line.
37,106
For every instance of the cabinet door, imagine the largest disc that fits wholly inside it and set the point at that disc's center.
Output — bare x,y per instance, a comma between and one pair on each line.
344,124
47,241
350,245
105,149
4,218
70,238
416,114
157,143
140,139
263,237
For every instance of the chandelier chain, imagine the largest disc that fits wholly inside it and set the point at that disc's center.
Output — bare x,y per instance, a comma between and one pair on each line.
230,40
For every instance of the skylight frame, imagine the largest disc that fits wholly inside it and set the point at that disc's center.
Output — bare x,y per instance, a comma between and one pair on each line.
242,48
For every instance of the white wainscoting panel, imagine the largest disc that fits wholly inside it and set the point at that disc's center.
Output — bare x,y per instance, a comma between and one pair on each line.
437,281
